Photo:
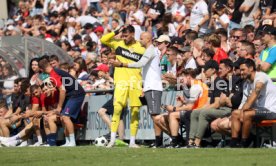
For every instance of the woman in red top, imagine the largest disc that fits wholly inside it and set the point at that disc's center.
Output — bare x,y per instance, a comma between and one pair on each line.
215,42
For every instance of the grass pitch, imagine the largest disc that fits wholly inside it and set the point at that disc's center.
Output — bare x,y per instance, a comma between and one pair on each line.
93,156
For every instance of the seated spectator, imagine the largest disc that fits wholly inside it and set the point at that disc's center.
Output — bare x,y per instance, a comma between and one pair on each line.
258,103
107,110
229,99
198,98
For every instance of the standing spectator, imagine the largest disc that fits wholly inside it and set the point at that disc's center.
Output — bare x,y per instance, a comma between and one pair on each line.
135,18
236,15
267,61
34,72
215,42
155,15
9,77
219,19
249,9
163,43
199,17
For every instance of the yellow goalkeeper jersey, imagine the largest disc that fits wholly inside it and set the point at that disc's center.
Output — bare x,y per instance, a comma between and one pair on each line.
125,54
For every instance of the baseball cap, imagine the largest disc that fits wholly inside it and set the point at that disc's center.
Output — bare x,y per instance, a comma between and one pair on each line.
99,29
88,26
219,6
268,29
103,68
163,38
211,64
178,40
185,49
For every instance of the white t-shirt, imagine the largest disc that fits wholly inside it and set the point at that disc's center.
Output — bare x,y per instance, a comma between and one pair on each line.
87,19
178,10
151,69
267,96
197,14
224,18
193,93
9,82
172,30
191,63
172,69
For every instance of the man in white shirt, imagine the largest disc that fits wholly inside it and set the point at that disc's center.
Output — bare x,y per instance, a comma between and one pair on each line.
199,17
188,58
151,79
258,103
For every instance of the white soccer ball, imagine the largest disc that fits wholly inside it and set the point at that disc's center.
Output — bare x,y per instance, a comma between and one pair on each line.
101,141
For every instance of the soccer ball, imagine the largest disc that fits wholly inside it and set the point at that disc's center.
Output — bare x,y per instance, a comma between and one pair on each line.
101,141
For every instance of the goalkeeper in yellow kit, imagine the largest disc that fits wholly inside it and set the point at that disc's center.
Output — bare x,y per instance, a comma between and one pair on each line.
128,82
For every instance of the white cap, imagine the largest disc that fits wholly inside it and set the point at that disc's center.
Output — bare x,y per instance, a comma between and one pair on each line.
163,38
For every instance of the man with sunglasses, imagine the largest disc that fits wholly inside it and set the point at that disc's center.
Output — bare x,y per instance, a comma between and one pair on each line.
267,61
127,81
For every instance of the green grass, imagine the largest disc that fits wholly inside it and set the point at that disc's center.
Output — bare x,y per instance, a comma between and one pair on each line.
90,155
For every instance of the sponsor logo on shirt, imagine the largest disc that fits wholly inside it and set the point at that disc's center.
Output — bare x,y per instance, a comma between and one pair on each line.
128,54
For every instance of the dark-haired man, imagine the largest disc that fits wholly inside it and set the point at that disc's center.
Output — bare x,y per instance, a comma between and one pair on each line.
258,103
71,96
54,61
127,81
230,98
267,61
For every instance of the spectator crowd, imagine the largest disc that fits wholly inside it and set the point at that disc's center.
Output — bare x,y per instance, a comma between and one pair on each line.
219,53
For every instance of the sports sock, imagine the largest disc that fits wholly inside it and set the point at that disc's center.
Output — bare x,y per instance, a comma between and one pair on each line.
39,139
134,123
158,141
67,140
16,137
245,142
116,118
52,139
174,140
132,140
234,142
113,137
72,138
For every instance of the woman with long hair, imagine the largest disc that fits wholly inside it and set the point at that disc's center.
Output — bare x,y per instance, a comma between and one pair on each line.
34,72
80,68
9,76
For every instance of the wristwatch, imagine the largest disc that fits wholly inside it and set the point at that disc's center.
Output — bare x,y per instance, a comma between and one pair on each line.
174,109
121,65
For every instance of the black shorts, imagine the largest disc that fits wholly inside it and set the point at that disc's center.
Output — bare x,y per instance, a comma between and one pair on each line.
185,116
110,108
153,98
264,114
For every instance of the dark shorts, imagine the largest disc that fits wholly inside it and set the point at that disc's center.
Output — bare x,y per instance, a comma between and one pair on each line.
110,108
264,114
72,107
153,98
185,116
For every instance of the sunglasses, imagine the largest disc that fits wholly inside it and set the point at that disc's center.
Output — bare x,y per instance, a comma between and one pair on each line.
236,37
